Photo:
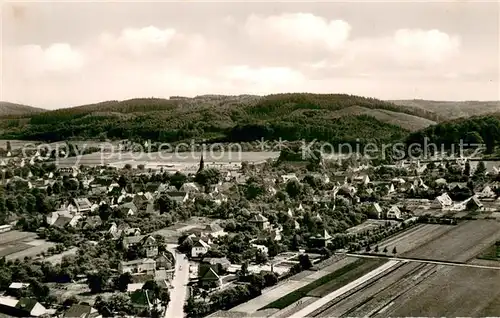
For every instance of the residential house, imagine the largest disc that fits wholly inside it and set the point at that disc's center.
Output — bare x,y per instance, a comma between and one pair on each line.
390,188
81,311
143,299
375,210
128,208
131,231
92,222
474,204
348,190
486,193
150,246
166,266
18,286
443,201
190,187
393,213
339,178
222,263
260,221
62,218
199,248
208,278
178,196
296,225
218,198
145,265
214,230
364,180
146,243
116,231
141,200
23,307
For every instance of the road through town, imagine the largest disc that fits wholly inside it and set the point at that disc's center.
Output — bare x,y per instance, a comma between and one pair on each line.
178,294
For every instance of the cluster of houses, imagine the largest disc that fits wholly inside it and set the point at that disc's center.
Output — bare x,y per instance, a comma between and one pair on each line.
160,266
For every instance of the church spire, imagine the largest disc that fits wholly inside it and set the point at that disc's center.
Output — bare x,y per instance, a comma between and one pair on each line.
202,164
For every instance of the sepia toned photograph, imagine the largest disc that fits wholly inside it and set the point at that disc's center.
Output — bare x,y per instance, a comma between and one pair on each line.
260,159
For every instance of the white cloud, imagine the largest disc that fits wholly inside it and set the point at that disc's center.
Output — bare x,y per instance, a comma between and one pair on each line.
424,46
34,60
298,29
138,41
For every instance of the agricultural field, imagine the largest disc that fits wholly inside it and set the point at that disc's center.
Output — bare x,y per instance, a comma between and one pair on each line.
415,237
17,245
346,275
406,288
464,242
375,294
452,292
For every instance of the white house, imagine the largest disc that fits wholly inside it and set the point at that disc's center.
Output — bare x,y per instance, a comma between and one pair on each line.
486,192
393,213
443,201
199,248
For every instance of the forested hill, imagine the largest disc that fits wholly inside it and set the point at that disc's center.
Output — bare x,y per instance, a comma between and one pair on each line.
330,117
336,118
10,109
473,131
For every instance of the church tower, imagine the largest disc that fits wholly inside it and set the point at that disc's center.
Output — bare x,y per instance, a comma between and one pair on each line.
202,164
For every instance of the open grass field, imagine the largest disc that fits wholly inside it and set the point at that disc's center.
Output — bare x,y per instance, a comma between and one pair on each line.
345,275
14,248
464,242
17,245
31,251
15,236
451,292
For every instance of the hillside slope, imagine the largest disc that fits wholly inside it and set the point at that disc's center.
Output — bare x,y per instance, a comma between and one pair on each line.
11,109
410,122
450,110
330,117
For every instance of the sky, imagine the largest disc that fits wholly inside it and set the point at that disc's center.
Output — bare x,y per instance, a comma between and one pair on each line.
61,54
